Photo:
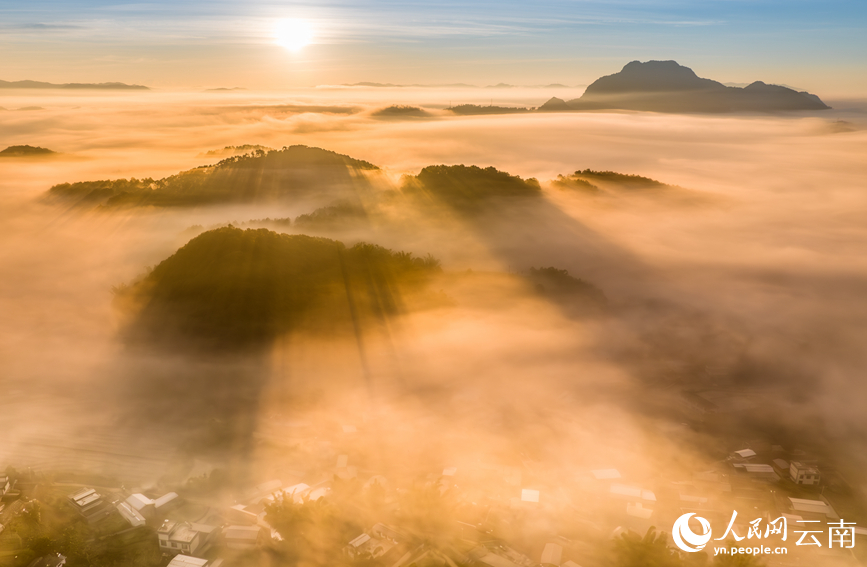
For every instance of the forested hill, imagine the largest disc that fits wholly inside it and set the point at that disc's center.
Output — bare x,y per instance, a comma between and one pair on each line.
232,289
468,188
260,176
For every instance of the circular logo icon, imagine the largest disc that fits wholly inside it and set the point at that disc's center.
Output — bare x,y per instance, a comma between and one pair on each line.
685,538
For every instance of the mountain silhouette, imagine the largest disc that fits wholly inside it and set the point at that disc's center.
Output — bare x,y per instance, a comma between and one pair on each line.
555,104
666,86
43,85
256,177
26,151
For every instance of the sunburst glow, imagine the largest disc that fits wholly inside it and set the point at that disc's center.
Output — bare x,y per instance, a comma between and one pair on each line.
293,34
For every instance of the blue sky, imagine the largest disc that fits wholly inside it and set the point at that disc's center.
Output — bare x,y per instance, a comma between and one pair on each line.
179,43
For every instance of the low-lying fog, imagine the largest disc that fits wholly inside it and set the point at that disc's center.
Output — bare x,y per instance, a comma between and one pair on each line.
752,274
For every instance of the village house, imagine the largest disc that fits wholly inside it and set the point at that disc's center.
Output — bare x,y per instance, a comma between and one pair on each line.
378,542
166,501
141,504
130,514
240,514
182,560
551,555
90,505
813,509
5,485
246,537
186,538
804,474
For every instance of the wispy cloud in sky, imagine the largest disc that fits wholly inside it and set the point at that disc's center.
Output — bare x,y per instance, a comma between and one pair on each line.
435,37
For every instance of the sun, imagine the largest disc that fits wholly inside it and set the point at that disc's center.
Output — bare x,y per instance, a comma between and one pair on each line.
293,33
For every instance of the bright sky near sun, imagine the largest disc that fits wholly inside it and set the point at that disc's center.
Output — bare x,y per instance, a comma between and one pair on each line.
816,45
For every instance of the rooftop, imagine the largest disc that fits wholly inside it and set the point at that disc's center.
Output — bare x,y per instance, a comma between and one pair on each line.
138,501
551,554
633,491
759,468
84,497
183,533
165,499
360,540
814,506
242,532
528,495
187,561
801,467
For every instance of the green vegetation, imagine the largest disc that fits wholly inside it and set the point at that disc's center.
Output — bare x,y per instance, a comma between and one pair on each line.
284,222
620,180
259,176
652,550
559,286
399,111
573,182
332,216
474,109
317,531
468,187
49,525
312,531
232,150
26,151
230,288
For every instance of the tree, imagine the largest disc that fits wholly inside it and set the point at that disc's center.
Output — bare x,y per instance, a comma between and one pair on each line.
652,550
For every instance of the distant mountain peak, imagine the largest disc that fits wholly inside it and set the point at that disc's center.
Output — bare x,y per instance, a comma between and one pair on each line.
652,76
43,85
667,86
555,104
26,151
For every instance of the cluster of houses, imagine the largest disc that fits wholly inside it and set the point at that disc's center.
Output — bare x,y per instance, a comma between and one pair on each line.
763,481
760,483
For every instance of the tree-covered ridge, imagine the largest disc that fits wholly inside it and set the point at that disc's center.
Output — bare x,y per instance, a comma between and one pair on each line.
236,150
233,288
555,282
339,214
399,110
292,156
475,109
469,187
258,176
590,179
26,151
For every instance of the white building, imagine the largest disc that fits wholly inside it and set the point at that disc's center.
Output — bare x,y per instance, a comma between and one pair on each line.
239,514
552,554
182,537
166,500
631,492
744,454
182,560
90,505
804,474
246,537
813,509
141,504
760,471
130,514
